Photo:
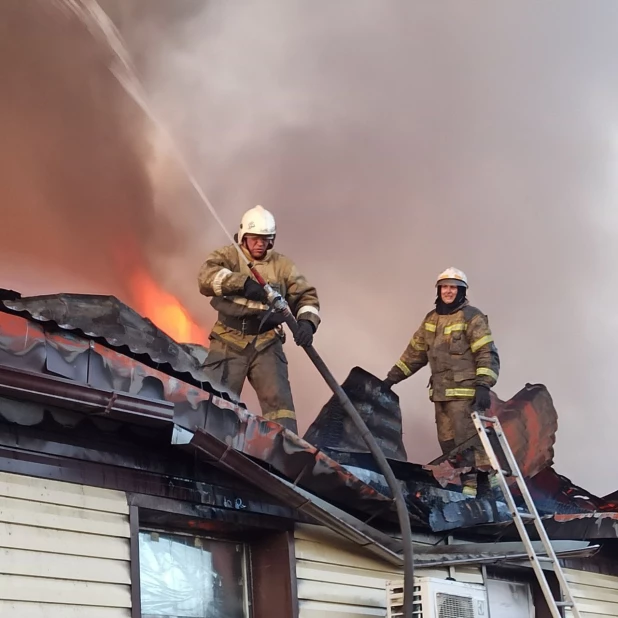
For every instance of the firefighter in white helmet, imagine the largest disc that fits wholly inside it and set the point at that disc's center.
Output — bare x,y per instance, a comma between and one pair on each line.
245,342
456,341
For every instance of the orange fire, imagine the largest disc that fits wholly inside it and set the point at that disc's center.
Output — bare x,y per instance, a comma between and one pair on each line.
164,310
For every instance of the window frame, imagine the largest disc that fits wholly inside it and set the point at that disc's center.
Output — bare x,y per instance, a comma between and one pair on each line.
519,574
269,565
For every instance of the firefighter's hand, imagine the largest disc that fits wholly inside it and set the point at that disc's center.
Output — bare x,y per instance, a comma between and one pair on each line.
387,384
394,376
482,400
304,333
254,291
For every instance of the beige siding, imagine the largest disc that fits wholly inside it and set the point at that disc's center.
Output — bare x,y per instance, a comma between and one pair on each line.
337,579
64,550
596,595
25,609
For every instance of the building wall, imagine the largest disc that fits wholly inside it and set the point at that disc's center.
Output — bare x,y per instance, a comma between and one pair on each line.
65,553
337,579
596,595
64,550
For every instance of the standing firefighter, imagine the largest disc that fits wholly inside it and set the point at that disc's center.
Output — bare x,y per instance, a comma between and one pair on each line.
247,341
456,341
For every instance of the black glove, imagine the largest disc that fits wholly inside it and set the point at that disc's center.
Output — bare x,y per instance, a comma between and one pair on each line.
397,376
304,333
387,384
482,400
254,291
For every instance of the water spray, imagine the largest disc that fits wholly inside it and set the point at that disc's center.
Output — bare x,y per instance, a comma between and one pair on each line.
94,18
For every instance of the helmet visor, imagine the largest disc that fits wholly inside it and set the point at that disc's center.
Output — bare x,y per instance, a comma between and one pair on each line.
456,282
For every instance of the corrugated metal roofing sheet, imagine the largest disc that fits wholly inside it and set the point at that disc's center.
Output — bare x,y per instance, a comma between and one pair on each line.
333,428
107,319
26,346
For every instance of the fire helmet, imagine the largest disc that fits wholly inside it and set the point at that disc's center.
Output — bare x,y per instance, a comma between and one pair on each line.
452,276
260,222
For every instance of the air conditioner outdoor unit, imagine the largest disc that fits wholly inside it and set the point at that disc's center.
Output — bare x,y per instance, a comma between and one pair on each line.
439,598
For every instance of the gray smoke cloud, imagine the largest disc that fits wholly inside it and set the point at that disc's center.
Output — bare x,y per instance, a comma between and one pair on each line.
391,140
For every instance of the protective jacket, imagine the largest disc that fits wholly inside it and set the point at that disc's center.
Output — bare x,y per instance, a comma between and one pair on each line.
223,277
460,350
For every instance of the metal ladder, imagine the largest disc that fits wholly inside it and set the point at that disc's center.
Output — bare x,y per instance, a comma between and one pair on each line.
513,472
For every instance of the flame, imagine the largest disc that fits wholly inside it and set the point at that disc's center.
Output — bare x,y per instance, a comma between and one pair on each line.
164,310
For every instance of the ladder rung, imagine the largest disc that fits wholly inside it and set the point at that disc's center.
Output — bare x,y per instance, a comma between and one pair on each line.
509,474
487,419
526,515
564,604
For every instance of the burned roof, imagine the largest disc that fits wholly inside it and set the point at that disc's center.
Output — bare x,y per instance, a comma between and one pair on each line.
568,511
530,422
106,319
64,369
333,429
97,356
62,360
613,498
574,511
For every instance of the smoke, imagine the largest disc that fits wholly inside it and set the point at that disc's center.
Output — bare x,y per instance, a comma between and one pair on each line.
391,140
77,199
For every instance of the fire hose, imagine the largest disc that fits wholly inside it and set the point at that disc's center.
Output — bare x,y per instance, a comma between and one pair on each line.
279,305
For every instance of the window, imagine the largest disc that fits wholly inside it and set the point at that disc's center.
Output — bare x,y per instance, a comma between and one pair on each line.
508,599
192,577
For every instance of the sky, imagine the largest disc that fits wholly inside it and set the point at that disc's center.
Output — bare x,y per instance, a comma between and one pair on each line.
391,139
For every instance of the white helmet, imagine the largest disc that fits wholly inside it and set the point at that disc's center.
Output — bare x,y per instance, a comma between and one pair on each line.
260,222
452,276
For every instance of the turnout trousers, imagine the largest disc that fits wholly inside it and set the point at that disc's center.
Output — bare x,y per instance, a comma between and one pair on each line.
455,426
267,372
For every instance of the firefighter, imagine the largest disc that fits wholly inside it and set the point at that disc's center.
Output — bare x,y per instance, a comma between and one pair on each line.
456,341
246,341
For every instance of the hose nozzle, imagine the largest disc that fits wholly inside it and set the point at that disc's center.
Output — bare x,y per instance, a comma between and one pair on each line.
275,300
